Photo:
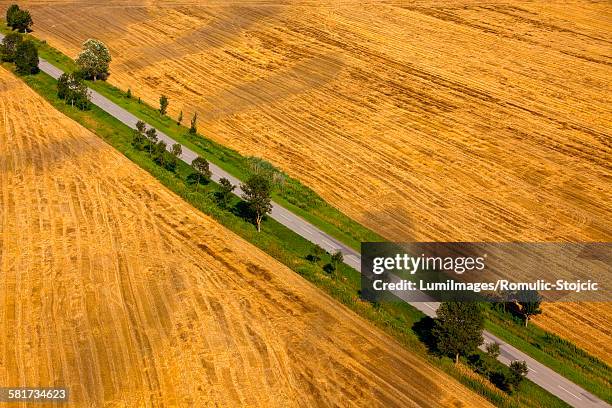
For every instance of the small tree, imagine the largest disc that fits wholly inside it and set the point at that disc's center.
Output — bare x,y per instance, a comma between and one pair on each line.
129,93
22,21
317,253
180,118
225,190
94,60
493,350
151,134
458,328
141,127
26,58
201,170
8,48
163,104
531,305
336,259
258,196
194,124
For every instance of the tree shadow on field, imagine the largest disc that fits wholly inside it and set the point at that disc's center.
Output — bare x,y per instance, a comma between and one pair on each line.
423,329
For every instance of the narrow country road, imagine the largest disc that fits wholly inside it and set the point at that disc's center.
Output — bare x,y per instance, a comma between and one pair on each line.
538,373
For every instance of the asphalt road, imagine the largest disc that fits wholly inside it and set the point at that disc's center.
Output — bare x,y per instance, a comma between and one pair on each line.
538,373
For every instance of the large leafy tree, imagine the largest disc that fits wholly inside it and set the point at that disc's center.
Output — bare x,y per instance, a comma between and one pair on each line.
26,58
10,14
22,21
8,48
257,192
94,60
458,328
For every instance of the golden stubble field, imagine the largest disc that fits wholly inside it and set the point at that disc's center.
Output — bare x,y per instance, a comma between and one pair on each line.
462,120
113,286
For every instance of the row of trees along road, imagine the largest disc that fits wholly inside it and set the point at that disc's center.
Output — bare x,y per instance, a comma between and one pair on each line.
457,330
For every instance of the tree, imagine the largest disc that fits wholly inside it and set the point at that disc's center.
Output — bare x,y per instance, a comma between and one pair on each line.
194,124
26,58
8,48
225,189
94,60
22,21
180,118
10,14
493,350
160,152
518,371
336,259
257,192
151,134
177,150
163,104
201,170
530,306
141,127
458,328
72,89
129,93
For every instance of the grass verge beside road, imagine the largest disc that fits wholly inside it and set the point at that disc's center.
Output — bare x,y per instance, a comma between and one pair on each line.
397,319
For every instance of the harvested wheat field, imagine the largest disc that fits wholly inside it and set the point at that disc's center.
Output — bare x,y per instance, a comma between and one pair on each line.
465,120
113,286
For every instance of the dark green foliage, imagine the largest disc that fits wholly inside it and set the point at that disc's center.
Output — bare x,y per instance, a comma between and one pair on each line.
26,58
159,149
531,305
180,118
518,371
22,21
258,196
225,190
8,48
336,259
493,350
129,93
163,104
194,124
177,150
458,328
316,254
17,19
10,15
151,135
141,127
201,171
72,89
